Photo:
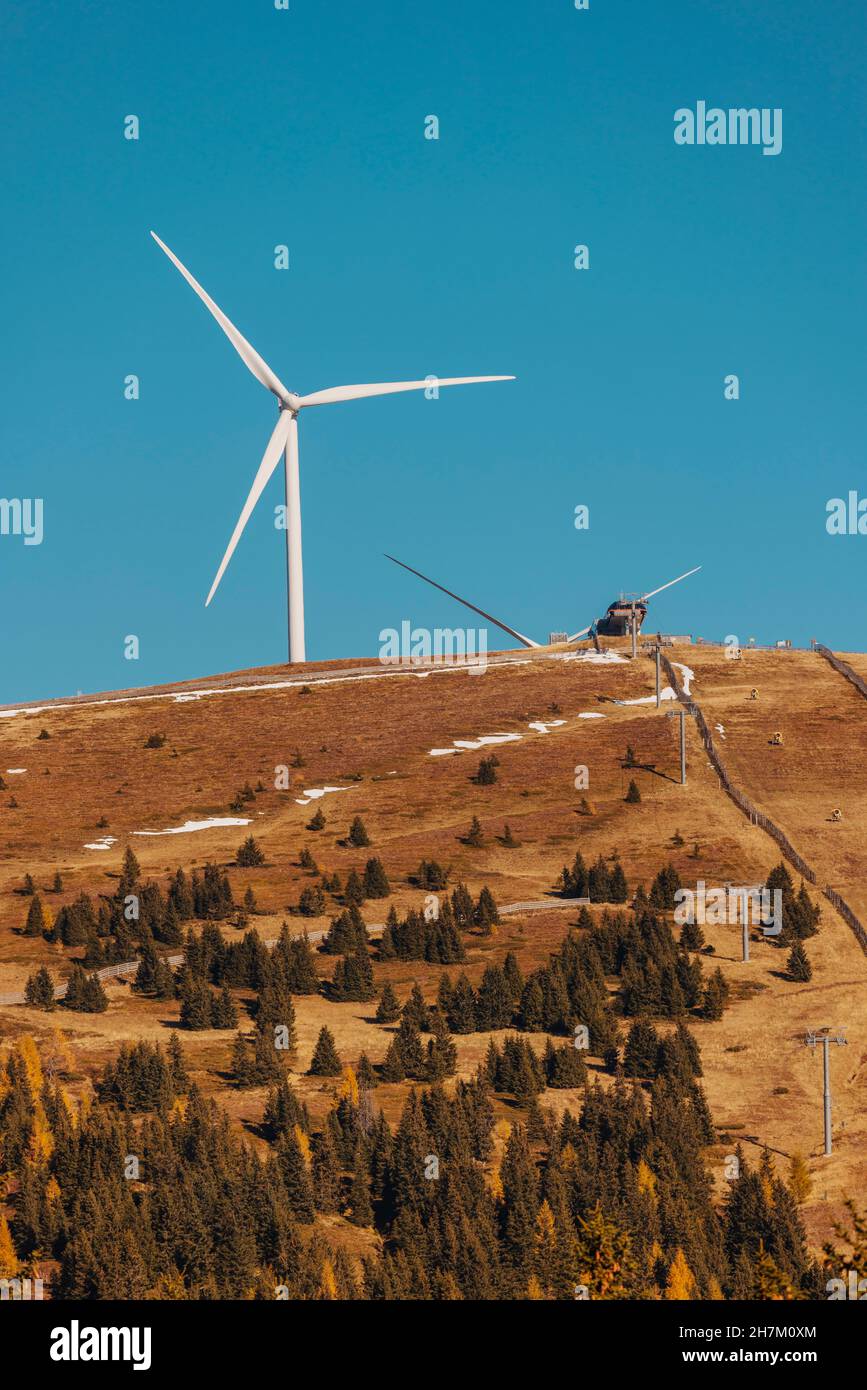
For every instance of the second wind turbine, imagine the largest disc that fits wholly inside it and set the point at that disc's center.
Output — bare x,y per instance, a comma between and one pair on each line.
284,440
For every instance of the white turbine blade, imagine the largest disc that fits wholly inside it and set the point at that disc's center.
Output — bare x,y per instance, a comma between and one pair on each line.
576,635
669,584
527,641
270,459
388,388
248,354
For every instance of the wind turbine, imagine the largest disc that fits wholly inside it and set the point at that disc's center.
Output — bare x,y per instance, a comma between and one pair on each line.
620,614
284,440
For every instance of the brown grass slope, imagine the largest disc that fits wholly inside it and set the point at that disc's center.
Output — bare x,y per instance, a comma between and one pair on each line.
373,738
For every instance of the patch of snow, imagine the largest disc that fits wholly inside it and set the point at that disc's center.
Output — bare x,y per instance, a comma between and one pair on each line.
541,727
463,744
591,714
14,771
314,793
593,658
687,676
666,694
720,730
105,843
486,738
190,825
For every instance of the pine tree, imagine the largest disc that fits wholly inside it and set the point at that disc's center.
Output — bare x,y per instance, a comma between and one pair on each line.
798,964
164,980
196,1005
461,1010
520,1197
241,1064
691,936
514,978
376,884
367,1077
358,836
494,1001
416,1010
598,882
474,836
486,915
633,795
442,1055
389,1007
130,874
95,999
618,890
266,1067
275,1013
35,924
317,821
145,976
487,773
177,1066
641,1051
715,996
223,1011
354,891
249,855
73,996
296,1177
663,889
432,875
392,1068
311,902
361,1211
565,1067
39,990
410,1050
84,993
325,1172
325,1061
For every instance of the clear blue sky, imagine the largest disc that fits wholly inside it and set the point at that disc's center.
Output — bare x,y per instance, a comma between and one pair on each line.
411,257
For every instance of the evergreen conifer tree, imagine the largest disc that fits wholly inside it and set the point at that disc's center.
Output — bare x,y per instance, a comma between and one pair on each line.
358,836
39,990
798,964
388,1010
35,924
325,1061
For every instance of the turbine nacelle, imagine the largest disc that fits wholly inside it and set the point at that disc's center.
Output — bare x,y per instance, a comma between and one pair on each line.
630,606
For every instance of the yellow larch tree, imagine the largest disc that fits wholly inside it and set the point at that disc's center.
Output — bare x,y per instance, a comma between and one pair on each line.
349,1086
303,1143
681,1280
9,1265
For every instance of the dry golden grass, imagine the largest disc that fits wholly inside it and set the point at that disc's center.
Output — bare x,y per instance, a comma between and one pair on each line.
764,1086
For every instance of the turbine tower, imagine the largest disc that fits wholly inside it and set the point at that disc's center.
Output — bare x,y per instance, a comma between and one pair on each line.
284,440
